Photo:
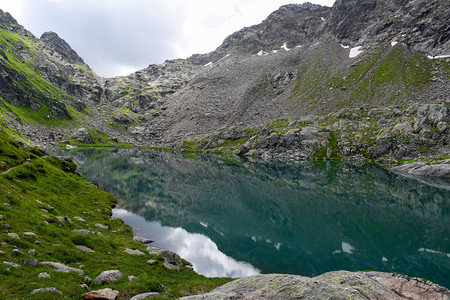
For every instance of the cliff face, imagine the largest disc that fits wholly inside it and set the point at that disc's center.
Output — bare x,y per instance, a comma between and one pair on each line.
422,25
56,44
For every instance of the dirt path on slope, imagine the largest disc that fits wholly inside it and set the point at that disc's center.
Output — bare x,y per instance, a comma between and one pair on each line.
10,169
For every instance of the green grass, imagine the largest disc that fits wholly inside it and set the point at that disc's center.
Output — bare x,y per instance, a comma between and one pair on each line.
54,182
321,154
27,78
309,84
401,66
439,159
86,69
32,82
355,73
387,74
189,145
40,116
276,124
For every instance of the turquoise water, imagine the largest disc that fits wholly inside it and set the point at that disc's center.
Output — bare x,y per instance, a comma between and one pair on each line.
236,217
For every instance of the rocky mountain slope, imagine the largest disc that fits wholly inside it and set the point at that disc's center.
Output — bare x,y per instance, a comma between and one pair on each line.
303,60
420,24
44,73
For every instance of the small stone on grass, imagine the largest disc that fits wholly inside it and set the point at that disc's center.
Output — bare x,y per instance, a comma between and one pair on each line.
80,219
84,248
142,239
145,296
13,236
31,261
102,226
134,252
46,290
106,294
43,275
11,264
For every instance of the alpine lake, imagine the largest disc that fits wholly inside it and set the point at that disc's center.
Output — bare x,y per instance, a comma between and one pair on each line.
234,217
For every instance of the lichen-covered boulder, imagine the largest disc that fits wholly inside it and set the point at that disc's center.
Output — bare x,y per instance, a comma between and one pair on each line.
108,277
83,136
332,285
105,294
172,260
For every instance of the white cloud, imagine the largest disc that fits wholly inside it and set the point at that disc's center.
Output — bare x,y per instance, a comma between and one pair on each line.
115,69
121,35
16,8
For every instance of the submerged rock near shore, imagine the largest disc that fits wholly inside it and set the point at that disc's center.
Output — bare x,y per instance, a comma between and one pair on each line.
332,285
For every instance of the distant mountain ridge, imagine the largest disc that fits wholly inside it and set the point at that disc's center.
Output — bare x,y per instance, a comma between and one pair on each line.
293,24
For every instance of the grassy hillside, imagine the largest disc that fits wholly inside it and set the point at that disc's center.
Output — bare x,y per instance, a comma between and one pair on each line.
40,198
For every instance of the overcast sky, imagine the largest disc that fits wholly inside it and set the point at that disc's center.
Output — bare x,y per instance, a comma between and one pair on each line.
117,37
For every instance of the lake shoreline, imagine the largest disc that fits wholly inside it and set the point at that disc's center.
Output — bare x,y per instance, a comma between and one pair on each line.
295,201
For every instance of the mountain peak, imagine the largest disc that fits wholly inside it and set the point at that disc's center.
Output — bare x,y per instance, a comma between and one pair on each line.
59,45
7,19
421,24
8,23
291,25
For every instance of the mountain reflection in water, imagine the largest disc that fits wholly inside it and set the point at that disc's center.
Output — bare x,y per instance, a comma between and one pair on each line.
302,218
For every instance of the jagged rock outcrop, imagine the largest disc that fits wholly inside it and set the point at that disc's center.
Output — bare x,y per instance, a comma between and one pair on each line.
420,24
144,92
292,25
57,44
237,85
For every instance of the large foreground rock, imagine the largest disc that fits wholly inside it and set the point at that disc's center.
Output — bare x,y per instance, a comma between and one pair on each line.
332,285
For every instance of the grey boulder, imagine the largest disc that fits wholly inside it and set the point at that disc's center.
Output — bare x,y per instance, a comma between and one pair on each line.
82,135
108,277
46,290
104,294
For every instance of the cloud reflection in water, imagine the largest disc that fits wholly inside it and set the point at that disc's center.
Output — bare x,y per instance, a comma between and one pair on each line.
198,249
